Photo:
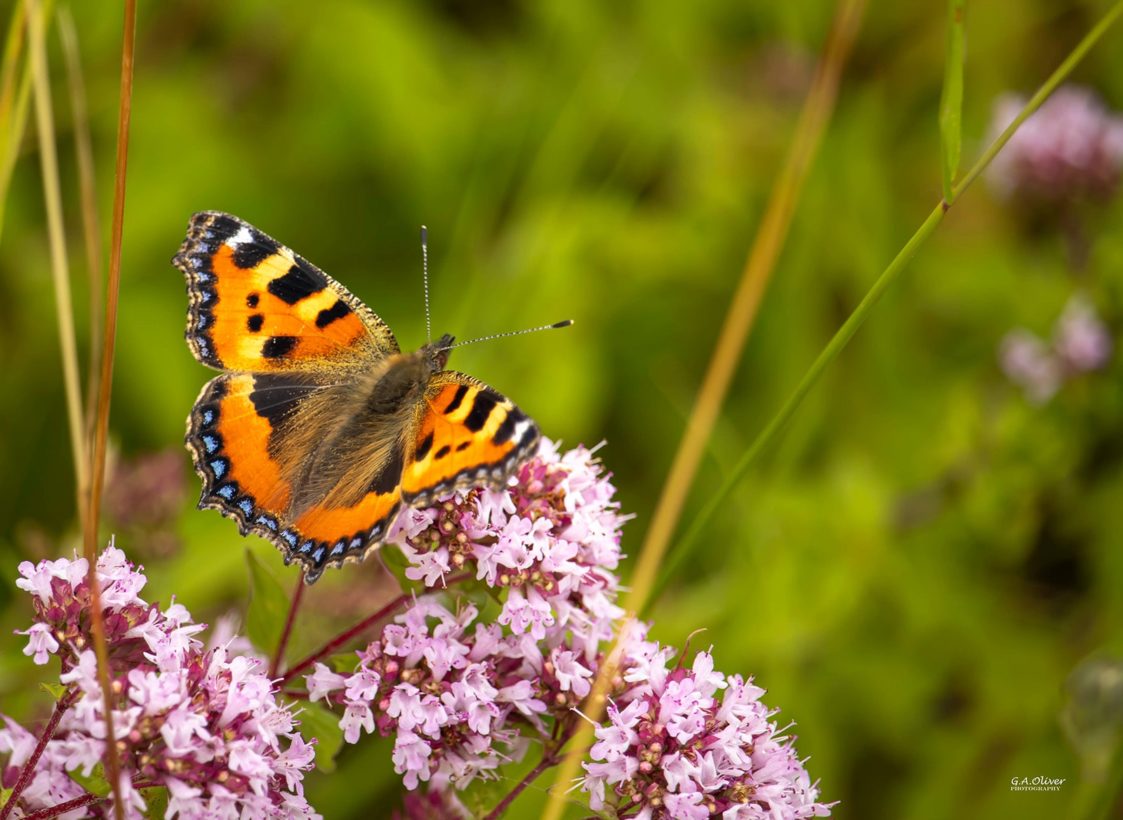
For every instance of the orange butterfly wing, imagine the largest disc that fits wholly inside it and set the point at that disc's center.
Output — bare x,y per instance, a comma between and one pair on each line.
230,434
255,306
466,434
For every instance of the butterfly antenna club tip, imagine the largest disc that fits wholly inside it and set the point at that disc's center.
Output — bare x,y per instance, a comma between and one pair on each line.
554,326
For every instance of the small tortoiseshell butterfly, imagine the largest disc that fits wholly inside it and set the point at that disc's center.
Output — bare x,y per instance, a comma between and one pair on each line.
319,428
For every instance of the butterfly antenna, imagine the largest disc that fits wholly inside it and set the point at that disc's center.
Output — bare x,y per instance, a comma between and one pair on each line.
554,326
425,279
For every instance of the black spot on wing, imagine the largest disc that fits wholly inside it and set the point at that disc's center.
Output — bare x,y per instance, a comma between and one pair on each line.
441,453
275,397
277,347
481,408
529,437
301,281
462,446
507,428
252,254
456,399
255,322
328,315
252,300
423,448
390,476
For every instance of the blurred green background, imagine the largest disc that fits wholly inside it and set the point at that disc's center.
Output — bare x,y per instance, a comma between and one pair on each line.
913,574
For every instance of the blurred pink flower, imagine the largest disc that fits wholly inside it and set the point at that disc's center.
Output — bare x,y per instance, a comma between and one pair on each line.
1072,146
1081,343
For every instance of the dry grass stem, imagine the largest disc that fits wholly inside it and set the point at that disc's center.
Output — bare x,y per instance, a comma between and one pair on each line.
762,257
105,379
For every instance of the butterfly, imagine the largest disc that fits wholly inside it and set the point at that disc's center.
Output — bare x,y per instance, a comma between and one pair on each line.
319,428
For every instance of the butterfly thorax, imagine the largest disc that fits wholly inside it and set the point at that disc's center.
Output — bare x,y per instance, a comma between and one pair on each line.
382,403
401,380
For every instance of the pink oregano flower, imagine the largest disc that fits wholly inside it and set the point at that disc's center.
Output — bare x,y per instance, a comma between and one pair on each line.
1071,147
694,743
462,694
204,724
1081,343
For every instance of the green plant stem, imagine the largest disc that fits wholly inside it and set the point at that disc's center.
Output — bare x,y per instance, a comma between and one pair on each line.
839,341
91,227
60,272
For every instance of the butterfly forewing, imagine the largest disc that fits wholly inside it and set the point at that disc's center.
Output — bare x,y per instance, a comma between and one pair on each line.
256,306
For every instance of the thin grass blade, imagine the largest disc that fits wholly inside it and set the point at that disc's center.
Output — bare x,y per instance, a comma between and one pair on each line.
951,99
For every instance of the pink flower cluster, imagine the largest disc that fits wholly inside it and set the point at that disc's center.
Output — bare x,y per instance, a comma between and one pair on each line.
204,724
1081,343
458,695
550,542
450,695
1072,146
462,694
672,748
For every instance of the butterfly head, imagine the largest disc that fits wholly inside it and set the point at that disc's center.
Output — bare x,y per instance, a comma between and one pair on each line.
438,351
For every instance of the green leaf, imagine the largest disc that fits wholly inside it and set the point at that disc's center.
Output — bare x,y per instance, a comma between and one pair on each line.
344,663
268,609
951,99
395,561
156,802
319,722
55,690
95,782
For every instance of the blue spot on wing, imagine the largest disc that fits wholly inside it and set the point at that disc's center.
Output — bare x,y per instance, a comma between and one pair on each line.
337,549
318,555
218,466
208,417
211,443
226,491
246,506
290,538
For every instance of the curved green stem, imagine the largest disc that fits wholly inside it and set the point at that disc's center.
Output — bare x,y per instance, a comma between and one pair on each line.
838,342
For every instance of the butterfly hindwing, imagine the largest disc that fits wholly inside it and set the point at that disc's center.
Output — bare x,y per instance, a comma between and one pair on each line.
229,442
466,434
233,434
256,306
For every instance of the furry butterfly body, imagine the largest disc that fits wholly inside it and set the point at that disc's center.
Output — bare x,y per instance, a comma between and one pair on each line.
319,428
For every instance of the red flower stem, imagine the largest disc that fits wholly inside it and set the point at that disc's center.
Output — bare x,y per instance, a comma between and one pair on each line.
28,771
548,760
343,637
78,803
62,808
279,655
